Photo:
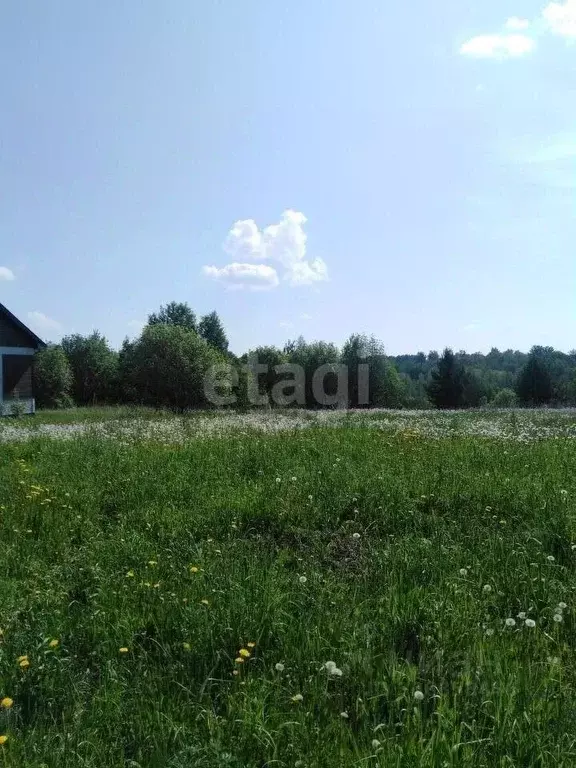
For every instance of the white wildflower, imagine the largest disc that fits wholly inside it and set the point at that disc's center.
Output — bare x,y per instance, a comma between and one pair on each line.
530,623
463,572
344,715
550,558
558,618
562,606
510,622
279,667
355,535
375,743
418,695
303,579
522,615
486,589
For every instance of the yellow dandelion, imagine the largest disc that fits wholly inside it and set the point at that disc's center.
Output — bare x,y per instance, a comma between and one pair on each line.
130,575
205,602
54,643
24,664
251,645
152,563
239,660
244,653
123,650
3,740
193,569
187,646
6,702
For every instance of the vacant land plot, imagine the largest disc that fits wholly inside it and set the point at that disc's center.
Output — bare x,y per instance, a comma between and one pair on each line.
320,590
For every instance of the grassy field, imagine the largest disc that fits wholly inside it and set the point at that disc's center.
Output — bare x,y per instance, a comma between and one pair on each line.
371,591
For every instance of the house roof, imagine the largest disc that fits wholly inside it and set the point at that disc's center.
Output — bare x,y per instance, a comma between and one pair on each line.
19,324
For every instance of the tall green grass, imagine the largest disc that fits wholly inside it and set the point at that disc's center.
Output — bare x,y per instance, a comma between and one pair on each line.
397,558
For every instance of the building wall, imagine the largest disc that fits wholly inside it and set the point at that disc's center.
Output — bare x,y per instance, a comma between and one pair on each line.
11,335
16,376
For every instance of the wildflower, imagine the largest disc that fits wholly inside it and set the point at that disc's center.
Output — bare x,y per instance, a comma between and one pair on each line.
23,662
251,645
486,589
123,649
279,667
6,702
193,569
375,743
152,563
355,535
302,579
489,632
239,660
550,558
510,622
3,740
186,646
463,572
418,695
333,669
530,623
235,672
130,575
522,615
294,479
54,643
205,602
562,606
297,698
278,479
244,653
558,618
344,715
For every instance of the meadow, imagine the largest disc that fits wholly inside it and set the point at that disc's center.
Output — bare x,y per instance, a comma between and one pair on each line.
288,589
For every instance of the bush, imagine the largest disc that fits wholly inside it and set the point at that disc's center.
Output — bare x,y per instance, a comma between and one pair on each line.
506,398
52,378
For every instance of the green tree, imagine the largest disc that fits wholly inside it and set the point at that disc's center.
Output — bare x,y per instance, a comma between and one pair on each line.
52,378
505,398
213,333
373,380
446,387
166,367
310,357
94,368
174,313
534,385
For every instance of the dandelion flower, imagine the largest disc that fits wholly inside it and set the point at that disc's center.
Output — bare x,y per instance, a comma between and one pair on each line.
344,715
355,535
251,645
562,606
152,563
6,702
510,622
486,589
489,632
303,579
375,743
530,623
550,558
418,695
54,643
193,569
522,615
239,660
123,650
279,667
205,602
463,572
244,652
278,479
558,618
186,646
332,669
235,672
3,740
297,698
24,663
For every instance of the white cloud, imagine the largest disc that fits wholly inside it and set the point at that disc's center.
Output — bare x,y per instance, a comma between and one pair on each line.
42,322
561,18
253,276
498,46
284,243
305,316
516,24
6,274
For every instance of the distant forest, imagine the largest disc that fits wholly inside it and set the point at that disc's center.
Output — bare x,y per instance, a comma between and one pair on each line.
166,365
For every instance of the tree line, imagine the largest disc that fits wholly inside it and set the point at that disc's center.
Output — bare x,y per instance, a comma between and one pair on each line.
165,367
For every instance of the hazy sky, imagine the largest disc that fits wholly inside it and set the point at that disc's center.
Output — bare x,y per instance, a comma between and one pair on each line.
312,166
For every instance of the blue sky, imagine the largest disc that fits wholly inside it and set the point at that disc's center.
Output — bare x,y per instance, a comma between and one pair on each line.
306,167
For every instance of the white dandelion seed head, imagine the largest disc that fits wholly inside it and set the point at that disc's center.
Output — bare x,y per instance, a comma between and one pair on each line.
418,695
278,479
562,606
522,615
279,667
355,535
489,632
486,589
463,572
510,622
558,618
530,623
375,743
302,579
